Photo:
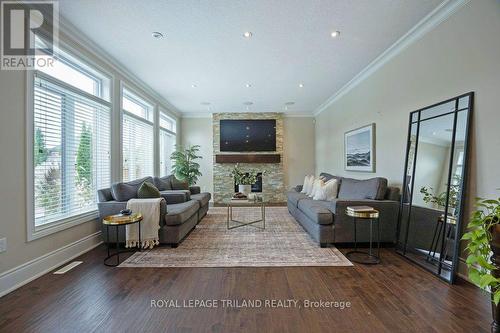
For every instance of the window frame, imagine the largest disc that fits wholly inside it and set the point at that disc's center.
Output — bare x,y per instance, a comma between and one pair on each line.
163,111
35,232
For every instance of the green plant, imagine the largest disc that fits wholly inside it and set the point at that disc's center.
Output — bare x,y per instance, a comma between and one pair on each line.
243,178
479,236
440,198
84,162
184,166
41,153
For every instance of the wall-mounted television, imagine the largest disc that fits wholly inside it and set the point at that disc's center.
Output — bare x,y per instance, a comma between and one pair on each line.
247,135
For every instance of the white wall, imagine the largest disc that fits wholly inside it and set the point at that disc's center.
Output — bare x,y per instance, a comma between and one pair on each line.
13,166
298,155
198,131
460,55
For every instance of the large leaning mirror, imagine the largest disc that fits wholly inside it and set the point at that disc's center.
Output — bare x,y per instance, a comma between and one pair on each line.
432,204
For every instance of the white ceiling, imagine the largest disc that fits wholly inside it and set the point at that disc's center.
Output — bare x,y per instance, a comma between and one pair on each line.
291,44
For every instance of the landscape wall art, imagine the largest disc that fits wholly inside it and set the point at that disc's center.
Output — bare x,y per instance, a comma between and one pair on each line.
359,149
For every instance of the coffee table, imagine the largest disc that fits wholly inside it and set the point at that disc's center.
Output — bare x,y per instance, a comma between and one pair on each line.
230,202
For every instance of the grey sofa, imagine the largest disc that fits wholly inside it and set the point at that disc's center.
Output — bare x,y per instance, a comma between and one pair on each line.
182,209
327,222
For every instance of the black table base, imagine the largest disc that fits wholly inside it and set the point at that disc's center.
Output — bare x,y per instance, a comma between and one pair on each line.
363,257
117,245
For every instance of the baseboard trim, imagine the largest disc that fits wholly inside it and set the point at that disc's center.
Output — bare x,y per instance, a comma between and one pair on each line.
33,269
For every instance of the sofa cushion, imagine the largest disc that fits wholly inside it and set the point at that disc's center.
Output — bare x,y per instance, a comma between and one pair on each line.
316,211
294,197
181,212
128,190
163,183
202,198
373,188
179,184
148,190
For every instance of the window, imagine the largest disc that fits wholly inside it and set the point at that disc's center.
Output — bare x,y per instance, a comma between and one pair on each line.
137,137
71,145
167,143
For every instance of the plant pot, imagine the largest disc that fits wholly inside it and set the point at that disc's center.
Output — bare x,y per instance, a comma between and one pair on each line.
495,259
245,189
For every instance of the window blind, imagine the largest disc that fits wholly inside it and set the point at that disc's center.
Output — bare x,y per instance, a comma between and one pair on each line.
71,151
138,148
167,147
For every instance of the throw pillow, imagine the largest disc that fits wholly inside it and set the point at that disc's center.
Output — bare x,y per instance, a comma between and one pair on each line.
148,190
310,185
307,184
316,187
328,191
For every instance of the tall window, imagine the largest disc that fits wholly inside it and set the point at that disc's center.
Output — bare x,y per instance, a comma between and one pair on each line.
71,141
167,143
137,136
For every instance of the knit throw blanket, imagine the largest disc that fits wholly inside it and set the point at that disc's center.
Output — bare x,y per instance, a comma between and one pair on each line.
150,210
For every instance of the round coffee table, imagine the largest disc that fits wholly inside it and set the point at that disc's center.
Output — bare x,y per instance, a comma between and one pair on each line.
363,257
117,221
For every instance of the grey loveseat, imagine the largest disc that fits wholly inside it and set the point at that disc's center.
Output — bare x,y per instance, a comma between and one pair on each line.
181,210
327,222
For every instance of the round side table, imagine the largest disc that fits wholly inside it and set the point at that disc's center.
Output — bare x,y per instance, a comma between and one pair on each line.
363,257
117,221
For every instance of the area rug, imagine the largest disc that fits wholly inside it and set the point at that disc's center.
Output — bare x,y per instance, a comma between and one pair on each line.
211,244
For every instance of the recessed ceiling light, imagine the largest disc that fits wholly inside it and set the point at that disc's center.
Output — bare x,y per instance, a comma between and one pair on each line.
157,35
248,103
205,103
248,85
247,34
301,85
289,103
335,34
194,86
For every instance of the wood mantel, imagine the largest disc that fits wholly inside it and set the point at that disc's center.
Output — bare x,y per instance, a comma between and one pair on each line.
247,158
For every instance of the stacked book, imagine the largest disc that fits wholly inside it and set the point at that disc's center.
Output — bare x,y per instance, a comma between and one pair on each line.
359,209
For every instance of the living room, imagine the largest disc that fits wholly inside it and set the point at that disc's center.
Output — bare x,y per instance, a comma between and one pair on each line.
250,166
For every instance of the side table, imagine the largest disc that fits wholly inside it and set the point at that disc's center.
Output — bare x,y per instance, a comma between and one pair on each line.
117,221
363,257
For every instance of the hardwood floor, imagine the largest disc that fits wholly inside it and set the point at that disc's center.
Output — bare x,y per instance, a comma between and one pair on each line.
394,296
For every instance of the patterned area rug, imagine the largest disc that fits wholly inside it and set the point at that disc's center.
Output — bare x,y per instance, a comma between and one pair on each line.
211,244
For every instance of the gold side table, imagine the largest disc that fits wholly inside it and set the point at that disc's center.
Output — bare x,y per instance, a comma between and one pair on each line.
117,221
363,257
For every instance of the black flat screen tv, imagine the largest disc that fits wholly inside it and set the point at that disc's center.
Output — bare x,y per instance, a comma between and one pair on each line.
248,135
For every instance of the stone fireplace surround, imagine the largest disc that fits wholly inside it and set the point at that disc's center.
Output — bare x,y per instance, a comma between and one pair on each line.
273,179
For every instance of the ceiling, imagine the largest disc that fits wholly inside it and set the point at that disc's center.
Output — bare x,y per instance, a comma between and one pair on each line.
204,46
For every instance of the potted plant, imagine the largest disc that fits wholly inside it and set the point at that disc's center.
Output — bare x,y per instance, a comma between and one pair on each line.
244,180
483,260
440,198
184,166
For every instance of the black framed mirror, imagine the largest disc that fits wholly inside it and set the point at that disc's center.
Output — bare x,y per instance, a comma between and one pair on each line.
435,176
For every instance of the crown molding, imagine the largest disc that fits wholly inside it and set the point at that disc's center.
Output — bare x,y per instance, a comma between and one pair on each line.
81,40
209,115
441,13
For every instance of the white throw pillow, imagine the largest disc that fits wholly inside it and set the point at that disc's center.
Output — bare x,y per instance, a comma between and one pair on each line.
328,191
309,184
306,184
316,187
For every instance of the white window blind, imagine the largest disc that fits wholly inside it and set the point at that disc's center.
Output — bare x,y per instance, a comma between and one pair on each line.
71,151
167,147
138,148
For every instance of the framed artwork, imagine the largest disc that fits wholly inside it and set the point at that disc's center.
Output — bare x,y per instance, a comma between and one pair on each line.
359,149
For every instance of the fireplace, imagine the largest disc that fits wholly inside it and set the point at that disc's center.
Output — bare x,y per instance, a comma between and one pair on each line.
256,187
